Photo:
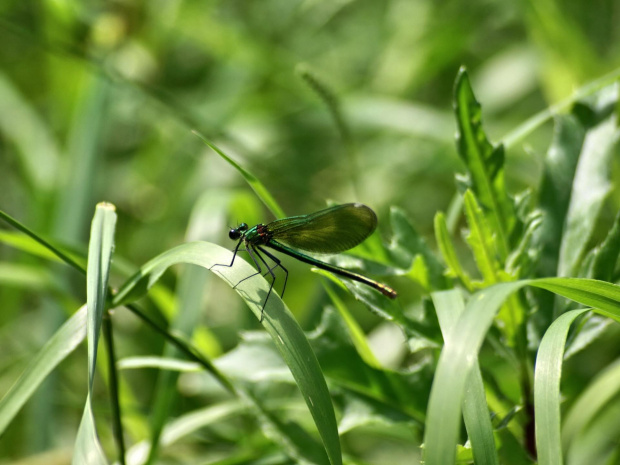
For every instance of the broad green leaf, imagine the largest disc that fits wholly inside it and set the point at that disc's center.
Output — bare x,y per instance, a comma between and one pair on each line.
278,321
590,188
547,389
87,448
57,348
253,181
450,306
560,164
485,164
444,242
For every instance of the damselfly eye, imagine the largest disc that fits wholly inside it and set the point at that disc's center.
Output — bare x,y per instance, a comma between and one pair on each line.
243,227
234,234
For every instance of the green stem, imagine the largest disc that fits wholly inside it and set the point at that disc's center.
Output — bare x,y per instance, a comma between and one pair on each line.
117,425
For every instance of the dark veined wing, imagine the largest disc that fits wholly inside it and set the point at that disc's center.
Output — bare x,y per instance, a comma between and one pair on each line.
332,230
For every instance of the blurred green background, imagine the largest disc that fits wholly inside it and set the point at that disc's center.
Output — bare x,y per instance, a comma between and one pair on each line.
98,100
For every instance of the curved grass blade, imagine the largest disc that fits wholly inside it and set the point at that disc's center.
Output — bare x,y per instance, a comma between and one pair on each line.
289,338
450,306
255,184
47,245
87,447
460,352
547,388
66,339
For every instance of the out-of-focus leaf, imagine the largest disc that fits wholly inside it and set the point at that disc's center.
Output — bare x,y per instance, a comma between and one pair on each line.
253,181
296,441
280,324
606,255
162,363
343,366
355,332
184,426
485,164
66,339
598,442
590,186
399,116
26,243
444,242
602,390
406,242
376,302
589,331
559,170
359,410
522,260
450,306
547,388
37,148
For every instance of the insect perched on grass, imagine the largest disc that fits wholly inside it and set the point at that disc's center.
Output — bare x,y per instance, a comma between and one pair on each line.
328,231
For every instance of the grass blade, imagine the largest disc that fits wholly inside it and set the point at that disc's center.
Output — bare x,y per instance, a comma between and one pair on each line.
87,447
547,389
450,306
253,181
460,351
289,338
66,339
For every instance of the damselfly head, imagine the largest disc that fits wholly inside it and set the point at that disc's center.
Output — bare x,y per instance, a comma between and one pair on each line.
236,233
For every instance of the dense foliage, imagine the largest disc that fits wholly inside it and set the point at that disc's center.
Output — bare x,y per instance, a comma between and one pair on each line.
134,134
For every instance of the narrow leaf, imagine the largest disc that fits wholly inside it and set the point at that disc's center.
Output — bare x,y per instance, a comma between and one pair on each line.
87,448
253,181
450,306
59,346
547,389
